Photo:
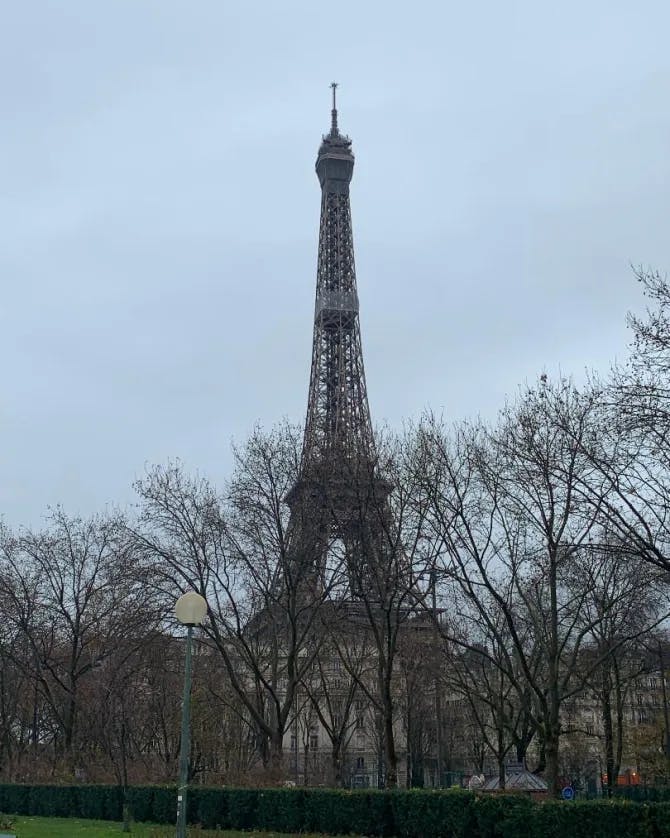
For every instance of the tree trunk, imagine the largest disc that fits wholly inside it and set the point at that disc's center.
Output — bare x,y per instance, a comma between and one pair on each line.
501,771
391,758
606,708
552,721
263,746
336,762
523,737
408,746
542,759
305,756
34,734
69,724
619,697
390,753
521,747
277,754
551,752
501,758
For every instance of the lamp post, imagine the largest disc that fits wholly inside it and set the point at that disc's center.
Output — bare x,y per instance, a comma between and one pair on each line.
190,610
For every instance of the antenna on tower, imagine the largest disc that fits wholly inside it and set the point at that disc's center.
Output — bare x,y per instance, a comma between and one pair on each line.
333,123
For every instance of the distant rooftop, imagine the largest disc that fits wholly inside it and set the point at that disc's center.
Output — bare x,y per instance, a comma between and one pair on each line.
517,778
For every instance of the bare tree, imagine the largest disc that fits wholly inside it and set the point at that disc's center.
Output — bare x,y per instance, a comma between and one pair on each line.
477,669
332,686
236,551
19,704
73,597
630,457
419,674
389,574
625,602
508,503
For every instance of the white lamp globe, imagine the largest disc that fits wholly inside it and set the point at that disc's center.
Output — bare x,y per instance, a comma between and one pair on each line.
191,609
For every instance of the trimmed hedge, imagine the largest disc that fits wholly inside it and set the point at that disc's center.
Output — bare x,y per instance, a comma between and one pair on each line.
14,799
659,814
205,806
418,813
338,811
504,816
93,802
140,802
592,819
401,814
164,804
97,802
276,810
643,794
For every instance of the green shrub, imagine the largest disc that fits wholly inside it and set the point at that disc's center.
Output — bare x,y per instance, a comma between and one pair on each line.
208,807
241,809
659,817
155,803
591,819
326,809
14,799
503,815
642,794
447,814
164,804
141,802
99,802
405,814
380,813
335,811
280,809
53,801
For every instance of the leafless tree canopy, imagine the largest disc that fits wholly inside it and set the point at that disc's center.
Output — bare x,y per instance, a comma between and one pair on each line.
498,575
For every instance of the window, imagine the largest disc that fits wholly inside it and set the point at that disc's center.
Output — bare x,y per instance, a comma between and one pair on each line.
360,763
294,742
314,742
337,664
360,722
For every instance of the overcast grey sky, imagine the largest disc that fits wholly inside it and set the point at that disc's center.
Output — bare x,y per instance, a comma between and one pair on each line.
159,215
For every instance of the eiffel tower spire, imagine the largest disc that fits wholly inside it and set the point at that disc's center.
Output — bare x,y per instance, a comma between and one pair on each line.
333,114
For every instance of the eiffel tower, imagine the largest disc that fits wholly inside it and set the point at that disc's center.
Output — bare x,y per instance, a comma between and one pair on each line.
338,494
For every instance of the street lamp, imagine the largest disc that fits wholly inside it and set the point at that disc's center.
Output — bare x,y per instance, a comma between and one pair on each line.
190,610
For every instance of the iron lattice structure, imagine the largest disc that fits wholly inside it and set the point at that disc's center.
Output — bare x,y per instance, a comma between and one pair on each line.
338,416
338,494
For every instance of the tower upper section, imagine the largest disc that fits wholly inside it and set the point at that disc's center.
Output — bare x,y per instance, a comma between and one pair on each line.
335,160
338,427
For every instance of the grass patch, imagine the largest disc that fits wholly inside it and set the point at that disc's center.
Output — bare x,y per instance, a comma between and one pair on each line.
28,827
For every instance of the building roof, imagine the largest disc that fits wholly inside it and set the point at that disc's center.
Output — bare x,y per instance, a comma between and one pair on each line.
521,780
